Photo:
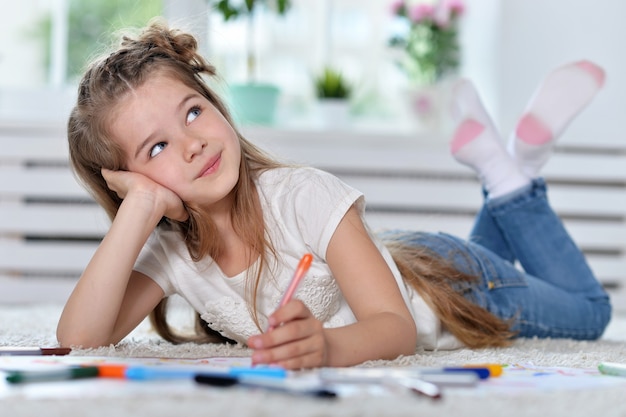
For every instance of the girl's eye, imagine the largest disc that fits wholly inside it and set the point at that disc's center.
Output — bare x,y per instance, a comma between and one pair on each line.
193,113
156,149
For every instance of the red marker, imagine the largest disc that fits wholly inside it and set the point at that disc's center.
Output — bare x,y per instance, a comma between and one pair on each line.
32,351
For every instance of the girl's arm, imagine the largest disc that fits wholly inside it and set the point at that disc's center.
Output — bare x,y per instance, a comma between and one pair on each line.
110,299
384,329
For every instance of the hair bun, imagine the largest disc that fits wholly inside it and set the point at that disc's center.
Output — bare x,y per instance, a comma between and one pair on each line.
157,39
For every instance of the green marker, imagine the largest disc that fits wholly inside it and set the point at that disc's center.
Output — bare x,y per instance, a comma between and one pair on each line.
612,368
18,377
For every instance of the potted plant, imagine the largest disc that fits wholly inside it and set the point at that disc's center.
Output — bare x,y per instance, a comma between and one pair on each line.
333,92
427,41
331,84
253,102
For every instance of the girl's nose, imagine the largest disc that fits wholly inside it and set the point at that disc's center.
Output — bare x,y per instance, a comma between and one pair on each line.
192,147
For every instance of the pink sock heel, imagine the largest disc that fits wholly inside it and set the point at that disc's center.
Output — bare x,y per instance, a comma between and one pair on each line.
467,131
532,131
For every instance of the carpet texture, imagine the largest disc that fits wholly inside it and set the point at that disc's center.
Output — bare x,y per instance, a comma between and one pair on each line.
34,326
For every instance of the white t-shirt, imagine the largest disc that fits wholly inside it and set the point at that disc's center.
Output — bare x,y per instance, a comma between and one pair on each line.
302,208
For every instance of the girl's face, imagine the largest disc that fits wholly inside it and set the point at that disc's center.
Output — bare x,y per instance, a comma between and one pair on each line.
176,137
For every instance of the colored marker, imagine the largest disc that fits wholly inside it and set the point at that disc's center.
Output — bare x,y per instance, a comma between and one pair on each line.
482,373
612,368
301,270
437,376
32,351
18,377
495,369
450,379
272,384
143,373
420,387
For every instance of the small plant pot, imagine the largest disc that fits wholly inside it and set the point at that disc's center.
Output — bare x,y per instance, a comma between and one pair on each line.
429,105
334,112
254,103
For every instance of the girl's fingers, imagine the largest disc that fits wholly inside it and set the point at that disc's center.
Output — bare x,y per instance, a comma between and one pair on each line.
124,182
311,360
293,310
305,353
295,344
115,181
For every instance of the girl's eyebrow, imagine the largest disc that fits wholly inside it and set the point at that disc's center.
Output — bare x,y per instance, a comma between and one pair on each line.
180,106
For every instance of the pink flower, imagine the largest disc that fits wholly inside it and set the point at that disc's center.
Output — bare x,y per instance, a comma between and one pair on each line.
422,104
441,14
421,12
457,7
397,6
446,10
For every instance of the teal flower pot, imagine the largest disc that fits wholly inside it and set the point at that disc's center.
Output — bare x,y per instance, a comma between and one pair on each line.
254,103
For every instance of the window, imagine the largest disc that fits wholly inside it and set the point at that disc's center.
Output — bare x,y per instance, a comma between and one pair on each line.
47,43
349,35
57,37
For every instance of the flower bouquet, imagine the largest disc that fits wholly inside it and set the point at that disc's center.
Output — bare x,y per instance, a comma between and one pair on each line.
427,35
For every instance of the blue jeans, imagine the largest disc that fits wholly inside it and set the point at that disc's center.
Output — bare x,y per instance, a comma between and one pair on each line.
556,295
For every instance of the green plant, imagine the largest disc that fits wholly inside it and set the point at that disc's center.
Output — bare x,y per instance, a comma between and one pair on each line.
332,84
91,26
231,10
429,41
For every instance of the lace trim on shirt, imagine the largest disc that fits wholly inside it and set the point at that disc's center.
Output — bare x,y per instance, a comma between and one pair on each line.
231,318
321,295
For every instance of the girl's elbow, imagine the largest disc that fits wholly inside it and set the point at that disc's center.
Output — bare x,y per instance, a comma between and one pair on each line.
76,339
411,345
408,342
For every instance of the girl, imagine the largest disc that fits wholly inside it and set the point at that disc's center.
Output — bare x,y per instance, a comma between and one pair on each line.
198,210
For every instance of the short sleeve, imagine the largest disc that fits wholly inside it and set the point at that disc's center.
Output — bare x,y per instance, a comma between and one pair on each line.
152,262
310,204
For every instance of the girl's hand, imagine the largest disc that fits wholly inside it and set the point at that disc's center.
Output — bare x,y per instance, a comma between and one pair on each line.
297,341
126,183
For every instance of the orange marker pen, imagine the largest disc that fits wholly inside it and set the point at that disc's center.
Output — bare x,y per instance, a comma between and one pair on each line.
112,370
301,270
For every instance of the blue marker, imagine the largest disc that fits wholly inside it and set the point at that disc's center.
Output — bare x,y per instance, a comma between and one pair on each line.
164,372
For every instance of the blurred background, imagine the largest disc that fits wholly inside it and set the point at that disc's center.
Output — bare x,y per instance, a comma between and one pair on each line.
505,47
344,75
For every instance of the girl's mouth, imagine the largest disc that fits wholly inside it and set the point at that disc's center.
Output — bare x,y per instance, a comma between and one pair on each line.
211,166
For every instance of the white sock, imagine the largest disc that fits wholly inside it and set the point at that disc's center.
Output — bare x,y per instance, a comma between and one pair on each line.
561,96
476,143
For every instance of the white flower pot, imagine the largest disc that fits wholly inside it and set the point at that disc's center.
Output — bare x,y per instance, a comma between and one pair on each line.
334,113
430,105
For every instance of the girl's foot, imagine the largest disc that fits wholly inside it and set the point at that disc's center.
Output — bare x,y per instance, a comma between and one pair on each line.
476,143
561,96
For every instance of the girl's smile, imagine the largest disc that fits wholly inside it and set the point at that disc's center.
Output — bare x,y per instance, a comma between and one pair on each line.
212,166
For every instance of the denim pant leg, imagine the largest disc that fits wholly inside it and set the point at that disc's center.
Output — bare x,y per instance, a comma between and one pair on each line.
559,298
565,298
486,233
540,242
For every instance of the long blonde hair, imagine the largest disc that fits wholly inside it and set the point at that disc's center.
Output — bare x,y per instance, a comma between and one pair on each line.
161,49
106,81
433,277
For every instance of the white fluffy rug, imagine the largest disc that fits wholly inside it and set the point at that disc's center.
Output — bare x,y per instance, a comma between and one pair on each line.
35,325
